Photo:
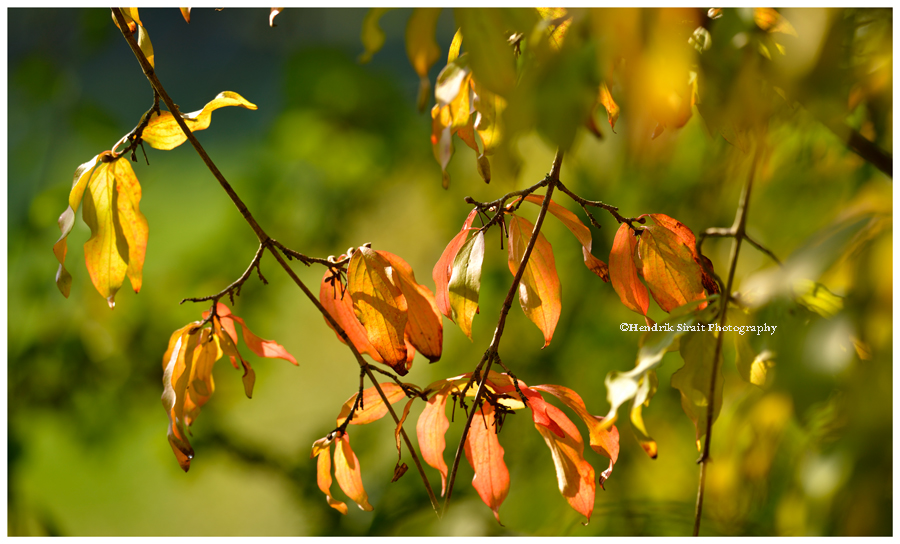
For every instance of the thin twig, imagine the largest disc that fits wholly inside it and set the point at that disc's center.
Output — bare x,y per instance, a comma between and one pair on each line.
235,287
613,210
489,355
265,240
739,232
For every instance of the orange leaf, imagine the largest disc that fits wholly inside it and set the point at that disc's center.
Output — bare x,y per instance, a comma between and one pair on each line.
444,266
612,109
424,329
263,348
201,385
485,454
186,13
574,475
379,305
347,473
623,272
581,232
177,363
323,479
539,290
399,428
687,236
430,430
669,268
373,407
337,303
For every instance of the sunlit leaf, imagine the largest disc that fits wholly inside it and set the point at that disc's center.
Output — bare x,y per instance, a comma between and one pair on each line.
379,305
348,475
686,236
177,363
273,12
186,13
669,268
574,475
558,24
539,289
771,21
612,109
455,45
623,273
421,48
424,329
67,221
693,379
145,45
163,132
430,430
338,304
444,267
373,407
485,455
465,282
323,478
371,35
263,348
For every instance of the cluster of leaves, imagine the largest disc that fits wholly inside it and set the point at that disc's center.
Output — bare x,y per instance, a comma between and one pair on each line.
575,475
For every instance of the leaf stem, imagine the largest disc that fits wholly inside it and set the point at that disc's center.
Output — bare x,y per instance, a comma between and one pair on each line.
490,355
264,238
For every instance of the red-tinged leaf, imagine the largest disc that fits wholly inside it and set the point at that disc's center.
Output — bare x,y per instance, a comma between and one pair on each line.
323,479
623,273
163,131
263,348
685,234
444,266
465,282
338,304
430,430
379,305
177,363
485,454
581,232
230,348
347,473
671,273
201,385
424,329
373,407
539,289
574,475
612,109
186,13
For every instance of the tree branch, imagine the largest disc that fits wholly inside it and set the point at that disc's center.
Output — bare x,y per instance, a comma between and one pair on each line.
490,355
264,238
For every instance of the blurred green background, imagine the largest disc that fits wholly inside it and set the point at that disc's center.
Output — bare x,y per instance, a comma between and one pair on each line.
337,156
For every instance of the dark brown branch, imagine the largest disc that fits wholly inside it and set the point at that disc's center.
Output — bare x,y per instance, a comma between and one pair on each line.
613,210
857,143
490,355
235,287
265,240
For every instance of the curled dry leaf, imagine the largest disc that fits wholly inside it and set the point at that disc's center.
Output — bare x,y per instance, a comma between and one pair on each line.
118,243
187,371
163,132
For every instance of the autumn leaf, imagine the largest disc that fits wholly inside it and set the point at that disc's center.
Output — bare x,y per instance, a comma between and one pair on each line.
186,13
421,48
669,268
371,34
336,301
623,273
118,243
612,109
455,45
373,408
187,370
698,349
430,430
424,329
163,132
539,289
273,12
465,282
379,305
485,455
771,21
686,236
581,232
348,475
323,475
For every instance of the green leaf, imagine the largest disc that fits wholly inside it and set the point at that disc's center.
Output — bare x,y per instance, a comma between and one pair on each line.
698,350
490,53
465,282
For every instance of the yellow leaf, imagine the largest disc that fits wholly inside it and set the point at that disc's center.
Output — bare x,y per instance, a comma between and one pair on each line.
771,21
145,45
421,48
454,47
163,132
371,35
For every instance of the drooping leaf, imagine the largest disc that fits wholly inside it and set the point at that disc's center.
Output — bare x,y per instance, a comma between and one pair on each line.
574,474
379,305
201,385
581,232
371,35
323,477
424,329
485,455
373,407
623,272
672,275
263,348
118,243
163,132
224,330
686,235
444,267
186,13
421,48
177,363
348,475
693,379
273,12
489,109
145,45
397,430
612,109
430,430
539,289
465,282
